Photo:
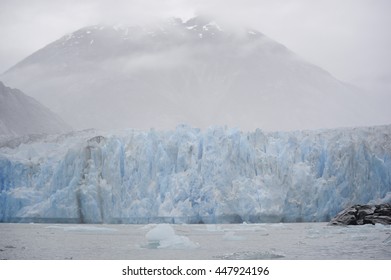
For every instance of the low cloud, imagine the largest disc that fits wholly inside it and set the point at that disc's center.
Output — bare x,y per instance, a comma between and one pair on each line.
348,38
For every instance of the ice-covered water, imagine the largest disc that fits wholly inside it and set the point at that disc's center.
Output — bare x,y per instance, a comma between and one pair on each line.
225,241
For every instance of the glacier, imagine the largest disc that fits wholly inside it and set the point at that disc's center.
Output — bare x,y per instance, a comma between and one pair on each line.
189,175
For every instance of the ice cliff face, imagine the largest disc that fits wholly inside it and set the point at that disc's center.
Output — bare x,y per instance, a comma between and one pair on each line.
190,175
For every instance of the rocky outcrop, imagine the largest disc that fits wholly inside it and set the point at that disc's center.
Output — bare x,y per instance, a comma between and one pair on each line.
364,214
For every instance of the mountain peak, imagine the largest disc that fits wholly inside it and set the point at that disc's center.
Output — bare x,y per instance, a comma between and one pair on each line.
202,23
175,71
199,20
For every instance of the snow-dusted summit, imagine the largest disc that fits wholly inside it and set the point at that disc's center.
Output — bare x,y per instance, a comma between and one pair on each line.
196,72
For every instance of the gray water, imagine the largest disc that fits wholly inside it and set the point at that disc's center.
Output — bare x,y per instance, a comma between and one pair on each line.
309,241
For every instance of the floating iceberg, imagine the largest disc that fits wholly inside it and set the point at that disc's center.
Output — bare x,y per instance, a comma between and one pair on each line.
217,175
163,237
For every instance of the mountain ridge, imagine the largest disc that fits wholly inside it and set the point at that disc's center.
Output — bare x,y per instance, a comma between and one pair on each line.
22,115
193,72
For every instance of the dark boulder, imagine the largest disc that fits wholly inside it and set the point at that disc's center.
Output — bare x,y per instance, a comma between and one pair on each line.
364,214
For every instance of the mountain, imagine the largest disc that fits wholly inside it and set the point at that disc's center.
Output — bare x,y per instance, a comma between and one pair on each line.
190,175
193,72
23,115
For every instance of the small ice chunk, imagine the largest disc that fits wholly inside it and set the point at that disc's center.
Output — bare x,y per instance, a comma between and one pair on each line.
160,232
163,237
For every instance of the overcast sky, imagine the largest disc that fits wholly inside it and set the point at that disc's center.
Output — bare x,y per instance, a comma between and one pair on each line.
349,38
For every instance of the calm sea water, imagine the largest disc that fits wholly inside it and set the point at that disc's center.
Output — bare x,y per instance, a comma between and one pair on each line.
307,241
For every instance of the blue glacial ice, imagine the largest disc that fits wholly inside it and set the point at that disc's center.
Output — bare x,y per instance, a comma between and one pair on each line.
189,175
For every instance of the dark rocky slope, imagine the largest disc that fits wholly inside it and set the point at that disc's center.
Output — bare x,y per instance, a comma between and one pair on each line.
364,214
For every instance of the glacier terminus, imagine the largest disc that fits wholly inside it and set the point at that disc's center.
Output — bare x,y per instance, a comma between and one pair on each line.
189,175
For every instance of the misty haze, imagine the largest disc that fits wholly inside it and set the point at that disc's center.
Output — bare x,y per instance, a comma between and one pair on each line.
190,120
194,72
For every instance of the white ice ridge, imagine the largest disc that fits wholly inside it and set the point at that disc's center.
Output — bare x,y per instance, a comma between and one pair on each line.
189,175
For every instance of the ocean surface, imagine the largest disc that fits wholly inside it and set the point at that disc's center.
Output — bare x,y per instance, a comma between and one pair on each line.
285,241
